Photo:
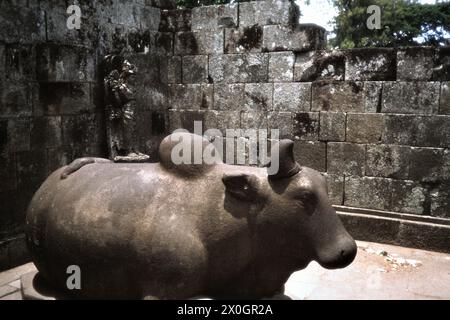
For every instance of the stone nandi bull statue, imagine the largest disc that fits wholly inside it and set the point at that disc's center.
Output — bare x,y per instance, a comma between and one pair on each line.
171,232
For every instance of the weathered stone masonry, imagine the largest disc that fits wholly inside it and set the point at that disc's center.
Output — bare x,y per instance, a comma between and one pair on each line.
376,121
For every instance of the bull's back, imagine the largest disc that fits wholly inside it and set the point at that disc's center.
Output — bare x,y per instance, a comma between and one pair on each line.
93,219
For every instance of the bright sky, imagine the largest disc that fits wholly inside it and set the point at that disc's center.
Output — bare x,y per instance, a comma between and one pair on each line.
322,11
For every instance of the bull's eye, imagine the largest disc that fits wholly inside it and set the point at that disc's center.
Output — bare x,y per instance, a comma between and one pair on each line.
307,198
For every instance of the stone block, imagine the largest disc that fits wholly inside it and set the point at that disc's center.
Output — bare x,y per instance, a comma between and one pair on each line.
364,127
56,98
19,131
83,130
21,24
339,96
332,126
441,70
427,165
195,69
229,97
407,197
8,161
306,126
254,120
372,96
173,70
368,192
345,158
439,200
239,68
17,98
221,120
369,64
164,42
389,161
293,96
57,31
411,97
138,41
311,154
424,236
153,97
444,106
149,18
19,63
191,96
294,38
198,42
246,39
281,121
281,67
175,20
215,17
31,170
416,130
268,12
319,65
335,186
415,63
258,96
64,63
185,119
2,62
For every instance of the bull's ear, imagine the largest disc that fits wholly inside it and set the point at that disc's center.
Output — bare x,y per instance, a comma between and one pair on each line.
242,186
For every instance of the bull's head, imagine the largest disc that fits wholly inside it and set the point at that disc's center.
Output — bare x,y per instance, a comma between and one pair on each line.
295,214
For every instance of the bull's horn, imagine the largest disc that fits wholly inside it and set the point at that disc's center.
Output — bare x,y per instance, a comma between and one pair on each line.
287,164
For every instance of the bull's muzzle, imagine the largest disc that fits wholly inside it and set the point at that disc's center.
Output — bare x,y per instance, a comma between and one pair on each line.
341,255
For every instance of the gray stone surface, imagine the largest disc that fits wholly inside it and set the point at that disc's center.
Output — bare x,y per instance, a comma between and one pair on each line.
339,96
195,69
311,154
198,42
229,97
319,65
254,120
368,192
281,121
441,70
258,96
332,126
372,96
191,96
237,68
268,12
345,158
175,20
415,63
215,17
413,130
221,120
174,69
407,196
370,64
294,38
364,127
389,161
335,184
427,164
444,107
243,39
306,126
281,66
411,97
293,96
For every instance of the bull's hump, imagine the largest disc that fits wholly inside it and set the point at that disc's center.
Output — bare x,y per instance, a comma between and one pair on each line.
173,158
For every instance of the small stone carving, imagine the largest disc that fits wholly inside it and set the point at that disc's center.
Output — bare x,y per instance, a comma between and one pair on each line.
121,110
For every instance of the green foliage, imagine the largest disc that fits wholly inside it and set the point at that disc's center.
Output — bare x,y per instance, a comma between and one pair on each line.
401,22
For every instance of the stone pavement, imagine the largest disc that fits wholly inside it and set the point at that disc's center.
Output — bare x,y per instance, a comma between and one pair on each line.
379,271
